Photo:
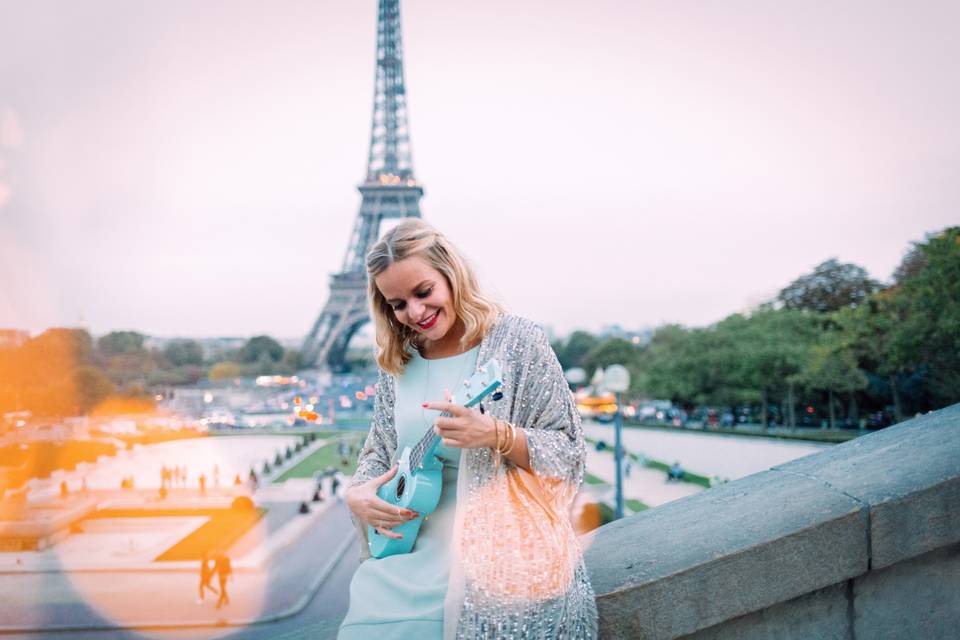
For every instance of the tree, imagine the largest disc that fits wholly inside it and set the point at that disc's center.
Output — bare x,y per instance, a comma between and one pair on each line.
614,351
293,362
870,330
774,347
927,333
120,342
183,352
831,286
670,366
257,346
832,367
610,351
572,352
912,263
224,371
92,388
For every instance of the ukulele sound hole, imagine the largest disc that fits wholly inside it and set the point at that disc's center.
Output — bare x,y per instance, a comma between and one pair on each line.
401,485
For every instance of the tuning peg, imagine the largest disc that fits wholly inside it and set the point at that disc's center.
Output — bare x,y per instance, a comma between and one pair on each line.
482,369
498,394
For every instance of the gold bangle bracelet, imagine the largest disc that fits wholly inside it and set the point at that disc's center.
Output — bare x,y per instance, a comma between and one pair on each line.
513,440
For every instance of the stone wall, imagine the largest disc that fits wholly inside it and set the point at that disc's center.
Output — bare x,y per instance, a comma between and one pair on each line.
861,541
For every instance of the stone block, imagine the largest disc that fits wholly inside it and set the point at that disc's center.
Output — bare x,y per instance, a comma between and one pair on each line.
820,615
917,598
907,474
723,553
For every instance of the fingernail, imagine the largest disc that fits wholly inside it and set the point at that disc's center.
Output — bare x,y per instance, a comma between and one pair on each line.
424,404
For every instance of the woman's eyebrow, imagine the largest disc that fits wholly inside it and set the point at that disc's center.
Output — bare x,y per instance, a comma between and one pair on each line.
419,284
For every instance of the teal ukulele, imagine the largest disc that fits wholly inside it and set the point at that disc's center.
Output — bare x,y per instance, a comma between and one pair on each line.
419,478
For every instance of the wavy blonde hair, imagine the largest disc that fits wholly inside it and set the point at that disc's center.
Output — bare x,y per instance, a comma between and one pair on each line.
414,237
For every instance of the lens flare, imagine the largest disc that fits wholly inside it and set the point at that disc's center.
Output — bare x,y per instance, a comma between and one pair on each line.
518,541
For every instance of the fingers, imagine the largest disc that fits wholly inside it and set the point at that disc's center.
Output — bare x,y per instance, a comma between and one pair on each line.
444,425
383,516
385,478
390,514
390,534
446,407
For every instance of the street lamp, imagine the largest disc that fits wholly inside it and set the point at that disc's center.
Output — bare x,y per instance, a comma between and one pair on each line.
616,378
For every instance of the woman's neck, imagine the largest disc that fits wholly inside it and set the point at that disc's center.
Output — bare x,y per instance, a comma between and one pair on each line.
448,345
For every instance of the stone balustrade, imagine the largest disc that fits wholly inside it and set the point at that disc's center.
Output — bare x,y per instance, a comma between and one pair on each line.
859,541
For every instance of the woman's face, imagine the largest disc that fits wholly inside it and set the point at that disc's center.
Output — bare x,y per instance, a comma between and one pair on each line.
419,295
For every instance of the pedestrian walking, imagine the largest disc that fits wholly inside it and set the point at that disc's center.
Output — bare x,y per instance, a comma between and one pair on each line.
224,571
335,485
206,575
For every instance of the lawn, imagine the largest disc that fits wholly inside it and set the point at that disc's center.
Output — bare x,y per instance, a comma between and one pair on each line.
589,478
324,457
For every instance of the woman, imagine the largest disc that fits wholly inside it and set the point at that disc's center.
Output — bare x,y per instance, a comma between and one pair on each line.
498,556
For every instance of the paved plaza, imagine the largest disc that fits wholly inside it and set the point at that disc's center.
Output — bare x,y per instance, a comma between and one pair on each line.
105,573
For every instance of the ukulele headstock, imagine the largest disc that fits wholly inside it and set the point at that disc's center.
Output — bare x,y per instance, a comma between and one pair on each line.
488,378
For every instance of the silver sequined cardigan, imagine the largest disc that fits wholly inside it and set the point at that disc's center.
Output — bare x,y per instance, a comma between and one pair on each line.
537,399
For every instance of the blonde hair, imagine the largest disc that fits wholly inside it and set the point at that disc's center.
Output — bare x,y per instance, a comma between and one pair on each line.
414,237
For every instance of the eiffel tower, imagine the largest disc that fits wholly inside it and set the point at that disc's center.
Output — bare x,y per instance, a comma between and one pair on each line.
389,191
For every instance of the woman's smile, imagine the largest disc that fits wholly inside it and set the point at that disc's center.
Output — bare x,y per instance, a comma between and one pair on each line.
429,321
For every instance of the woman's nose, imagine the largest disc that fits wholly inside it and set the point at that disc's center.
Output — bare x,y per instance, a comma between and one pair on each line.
416,310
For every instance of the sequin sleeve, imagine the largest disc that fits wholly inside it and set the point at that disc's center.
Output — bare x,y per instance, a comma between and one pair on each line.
549,416
378,449
381,443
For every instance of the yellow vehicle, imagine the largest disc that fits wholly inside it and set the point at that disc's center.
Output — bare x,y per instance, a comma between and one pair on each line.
600,408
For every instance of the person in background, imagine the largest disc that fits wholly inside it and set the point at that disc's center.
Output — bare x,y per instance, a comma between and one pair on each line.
206,574
224,572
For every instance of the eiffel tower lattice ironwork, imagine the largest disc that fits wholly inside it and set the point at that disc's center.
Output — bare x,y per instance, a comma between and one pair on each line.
389,191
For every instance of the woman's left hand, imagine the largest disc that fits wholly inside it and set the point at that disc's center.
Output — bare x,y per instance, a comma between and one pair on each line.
464,428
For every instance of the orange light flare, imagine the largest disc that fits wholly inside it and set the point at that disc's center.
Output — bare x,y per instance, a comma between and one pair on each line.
519,543
75,447
159,529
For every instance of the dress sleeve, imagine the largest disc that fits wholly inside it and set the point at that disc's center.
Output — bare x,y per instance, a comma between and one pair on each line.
378,449
381,443
548,415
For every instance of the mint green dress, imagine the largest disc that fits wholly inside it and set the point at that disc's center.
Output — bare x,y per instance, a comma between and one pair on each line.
401,597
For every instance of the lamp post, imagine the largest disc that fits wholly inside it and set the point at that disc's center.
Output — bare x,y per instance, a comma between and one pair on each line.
616,378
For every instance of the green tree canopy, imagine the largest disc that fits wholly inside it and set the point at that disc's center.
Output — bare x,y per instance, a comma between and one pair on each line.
927,331
572,352
92,388
259,346
184,352
832,285
120,342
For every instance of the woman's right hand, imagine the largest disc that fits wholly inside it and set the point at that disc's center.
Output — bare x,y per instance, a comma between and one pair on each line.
369,508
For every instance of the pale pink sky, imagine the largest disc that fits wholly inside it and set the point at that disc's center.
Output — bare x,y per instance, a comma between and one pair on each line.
188,168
